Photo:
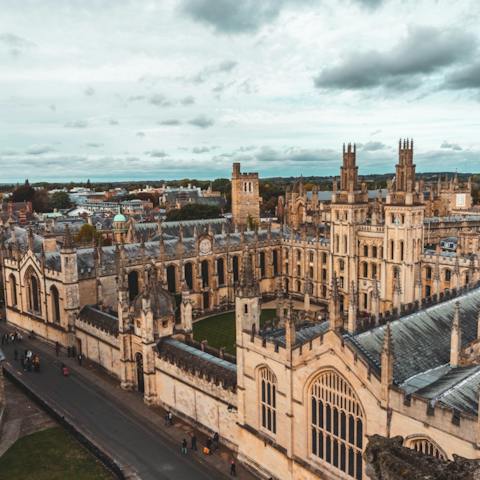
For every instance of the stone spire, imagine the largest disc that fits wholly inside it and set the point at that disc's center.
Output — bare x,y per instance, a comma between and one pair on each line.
387,360
352,309
67,238
334,315
456,338
248,285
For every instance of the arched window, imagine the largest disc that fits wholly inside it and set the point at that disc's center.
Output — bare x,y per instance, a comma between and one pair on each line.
365,269
374,252
268,400
365,250
188,272
392,249
402,250
425,446
262,264
33,290
13,290
448,275
55,299
275,262
220,271
428,273
204,273
171,279
235,268
337,420
132,284
374,270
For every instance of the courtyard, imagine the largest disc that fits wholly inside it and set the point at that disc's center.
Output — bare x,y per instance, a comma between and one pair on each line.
219,330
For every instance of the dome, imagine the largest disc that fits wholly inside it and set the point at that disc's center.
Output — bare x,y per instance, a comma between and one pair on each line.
119,217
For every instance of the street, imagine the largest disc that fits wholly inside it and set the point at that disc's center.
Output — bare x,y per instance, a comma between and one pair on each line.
127,437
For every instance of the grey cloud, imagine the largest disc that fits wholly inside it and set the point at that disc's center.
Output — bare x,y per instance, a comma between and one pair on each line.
76,124
89,91
135,98
52,107
424,51
374,146
112,121
465,78
291,155
159,100
234,16
15,44
201,121
450,146
225,66
94,145
188,100
156,153
39,149
169,122
201,149
140,134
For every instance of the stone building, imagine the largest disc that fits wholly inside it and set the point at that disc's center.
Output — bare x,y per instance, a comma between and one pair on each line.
397,354
245,197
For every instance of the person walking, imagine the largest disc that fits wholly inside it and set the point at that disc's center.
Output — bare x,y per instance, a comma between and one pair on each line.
184,447
215,441
57,349
170,419
193,441
233,468
80,358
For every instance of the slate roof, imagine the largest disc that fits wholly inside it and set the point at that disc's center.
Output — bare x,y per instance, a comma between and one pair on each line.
196,361
421,343
102,320
304,333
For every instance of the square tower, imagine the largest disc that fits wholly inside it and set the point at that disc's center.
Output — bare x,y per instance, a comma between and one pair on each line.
245,197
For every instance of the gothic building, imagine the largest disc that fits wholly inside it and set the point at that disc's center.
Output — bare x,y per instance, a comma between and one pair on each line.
396,353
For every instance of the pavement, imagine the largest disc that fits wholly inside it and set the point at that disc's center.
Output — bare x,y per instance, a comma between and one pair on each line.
119,422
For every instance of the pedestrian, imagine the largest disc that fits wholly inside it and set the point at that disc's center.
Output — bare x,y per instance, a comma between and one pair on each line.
215,440
15,354
166,419
79,359
57,349
184,447
233,468
170,419
36,363
208,445
193,441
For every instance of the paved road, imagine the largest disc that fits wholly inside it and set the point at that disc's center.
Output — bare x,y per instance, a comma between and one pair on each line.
129,438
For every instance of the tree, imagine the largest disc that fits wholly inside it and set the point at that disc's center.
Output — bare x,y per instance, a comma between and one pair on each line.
23,193
193,211
60,200
87,233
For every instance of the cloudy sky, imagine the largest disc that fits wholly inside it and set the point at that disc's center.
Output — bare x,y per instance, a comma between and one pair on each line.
117,89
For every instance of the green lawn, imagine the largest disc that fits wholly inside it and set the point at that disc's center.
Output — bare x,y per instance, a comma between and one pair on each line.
50,454
219,330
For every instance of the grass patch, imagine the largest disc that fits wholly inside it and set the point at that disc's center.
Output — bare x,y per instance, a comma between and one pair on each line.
51,454
219,330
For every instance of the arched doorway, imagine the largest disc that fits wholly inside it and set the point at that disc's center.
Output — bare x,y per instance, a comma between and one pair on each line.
140,380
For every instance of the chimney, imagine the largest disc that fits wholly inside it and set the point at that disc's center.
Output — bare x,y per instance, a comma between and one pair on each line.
456,338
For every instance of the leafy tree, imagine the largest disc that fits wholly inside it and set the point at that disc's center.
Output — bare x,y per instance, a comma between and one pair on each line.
193,211
23,193
87,233
60,200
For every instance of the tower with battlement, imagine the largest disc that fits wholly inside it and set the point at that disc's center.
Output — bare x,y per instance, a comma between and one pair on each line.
245,197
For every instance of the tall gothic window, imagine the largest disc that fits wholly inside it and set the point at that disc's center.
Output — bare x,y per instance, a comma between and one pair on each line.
262,264
33,289
221,271
268,400
13,290
188,272
426,446
55,299
172,278
132,285
336,424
